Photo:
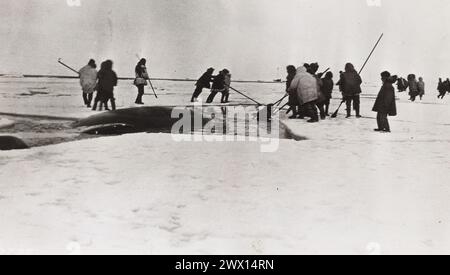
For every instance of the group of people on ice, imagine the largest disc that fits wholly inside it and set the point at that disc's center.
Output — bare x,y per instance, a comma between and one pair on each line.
104,81
443,88
416,87
220,84
310,93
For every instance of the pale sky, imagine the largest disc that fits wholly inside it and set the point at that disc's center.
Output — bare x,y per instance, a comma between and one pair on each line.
252,38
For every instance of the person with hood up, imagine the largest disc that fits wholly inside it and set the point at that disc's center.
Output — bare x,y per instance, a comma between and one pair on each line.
226,92
351,85
218,85
141,79
421,85
385,103
305,85
293,97
204,82
402,85
107,80
88,81
413,87
327,91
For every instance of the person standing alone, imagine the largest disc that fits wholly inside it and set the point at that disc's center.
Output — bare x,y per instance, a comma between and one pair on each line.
385,103
88,81
141,80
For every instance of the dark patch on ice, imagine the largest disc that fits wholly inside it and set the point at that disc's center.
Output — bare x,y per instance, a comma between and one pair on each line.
33,93
12,143
289,134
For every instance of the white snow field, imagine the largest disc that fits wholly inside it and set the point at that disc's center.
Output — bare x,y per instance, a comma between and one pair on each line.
344,190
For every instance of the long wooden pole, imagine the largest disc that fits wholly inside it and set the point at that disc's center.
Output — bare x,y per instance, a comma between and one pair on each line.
370,55
277,103
67,66
244,95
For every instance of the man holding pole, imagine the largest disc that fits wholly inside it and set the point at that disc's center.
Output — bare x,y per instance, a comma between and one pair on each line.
351,82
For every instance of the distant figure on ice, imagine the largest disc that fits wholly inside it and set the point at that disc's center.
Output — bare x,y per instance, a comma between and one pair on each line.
218,85
421,85
306,87
402,85
203,82
351,82
141,79
293,97
441,89
385,103
413,87
226,92
107,80
88,81
327,91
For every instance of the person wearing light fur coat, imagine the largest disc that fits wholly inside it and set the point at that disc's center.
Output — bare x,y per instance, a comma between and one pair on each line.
307,90
88,81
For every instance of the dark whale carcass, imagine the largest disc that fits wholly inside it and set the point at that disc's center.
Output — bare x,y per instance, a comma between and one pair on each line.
11,143
133,120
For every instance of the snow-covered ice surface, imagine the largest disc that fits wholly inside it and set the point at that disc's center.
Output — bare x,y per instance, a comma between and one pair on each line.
343,190
4,123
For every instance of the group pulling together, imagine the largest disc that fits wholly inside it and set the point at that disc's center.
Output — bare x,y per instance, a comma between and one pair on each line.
309,92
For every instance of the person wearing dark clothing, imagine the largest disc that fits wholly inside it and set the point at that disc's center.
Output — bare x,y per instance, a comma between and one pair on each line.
107,80
351,82
385,103
293,97
446,88
226,92
313,68
413,87
327,91
141,79
340,83
204,82
218,85
442,89
402,85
